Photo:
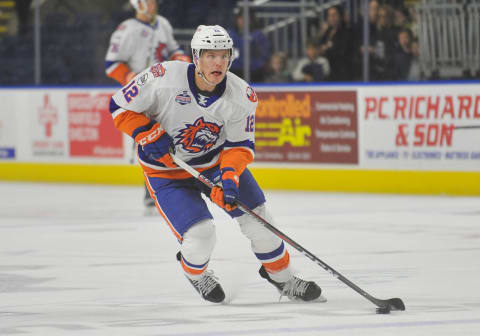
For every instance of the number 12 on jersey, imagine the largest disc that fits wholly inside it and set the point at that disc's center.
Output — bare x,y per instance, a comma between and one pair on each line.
130,91
250,127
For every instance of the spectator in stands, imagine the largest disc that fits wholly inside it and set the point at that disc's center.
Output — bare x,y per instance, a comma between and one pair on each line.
373,7
259,47
401,19
277,69
312,67
381,58
403,55
415,72
334,43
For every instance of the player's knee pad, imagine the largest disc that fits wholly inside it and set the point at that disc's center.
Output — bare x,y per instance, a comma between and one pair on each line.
263,240
198,242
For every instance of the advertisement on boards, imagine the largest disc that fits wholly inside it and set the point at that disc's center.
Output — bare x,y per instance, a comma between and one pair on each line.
420,127
307,127
48,136
91,132
7,133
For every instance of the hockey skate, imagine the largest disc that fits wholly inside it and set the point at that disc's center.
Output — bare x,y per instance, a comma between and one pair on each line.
150,208
208,286
295,288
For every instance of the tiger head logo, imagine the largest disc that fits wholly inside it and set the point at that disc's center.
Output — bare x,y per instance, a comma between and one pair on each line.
199,136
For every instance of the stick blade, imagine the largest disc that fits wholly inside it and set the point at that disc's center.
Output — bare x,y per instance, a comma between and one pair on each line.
396,304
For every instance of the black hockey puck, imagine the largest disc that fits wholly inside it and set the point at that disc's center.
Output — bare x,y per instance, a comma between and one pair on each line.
384,310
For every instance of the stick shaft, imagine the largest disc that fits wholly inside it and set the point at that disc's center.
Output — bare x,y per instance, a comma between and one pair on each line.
467,127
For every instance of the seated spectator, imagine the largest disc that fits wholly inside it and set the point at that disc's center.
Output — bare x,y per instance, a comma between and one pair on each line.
403,55
259,47
334,43
277,69
312,67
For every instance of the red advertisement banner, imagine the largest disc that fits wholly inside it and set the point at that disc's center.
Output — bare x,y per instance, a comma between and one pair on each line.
91,129
307,127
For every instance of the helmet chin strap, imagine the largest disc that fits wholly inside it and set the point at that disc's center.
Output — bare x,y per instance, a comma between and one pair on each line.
202,76
148,16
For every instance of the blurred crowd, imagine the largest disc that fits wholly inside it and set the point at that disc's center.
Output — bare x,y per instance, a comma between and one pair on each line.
335,52
75,35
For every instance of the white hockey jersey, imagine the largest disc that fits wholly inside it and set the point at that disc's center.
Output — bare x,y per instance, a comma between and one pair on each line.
139,44
201,126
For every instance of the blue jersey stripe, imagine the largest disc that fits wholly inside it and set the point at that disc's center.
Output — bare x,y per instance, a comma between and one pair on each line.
245,143
113,106
193,265
205,158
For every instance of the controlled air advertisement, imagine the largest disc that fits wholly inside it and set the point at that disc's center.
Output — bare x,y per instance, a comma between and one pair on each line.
307,127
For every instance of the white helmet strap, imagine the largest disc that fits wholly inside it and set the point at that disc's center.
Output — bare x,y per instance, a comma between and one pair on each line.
196,62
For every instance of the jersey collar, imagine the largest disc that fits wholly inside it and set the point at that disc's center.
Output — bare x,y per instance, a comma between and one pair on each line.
202,100
153,25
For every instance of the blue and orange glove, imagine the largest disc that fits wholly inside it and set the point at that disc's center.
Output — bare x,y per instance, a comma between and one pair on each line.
156,144
226,197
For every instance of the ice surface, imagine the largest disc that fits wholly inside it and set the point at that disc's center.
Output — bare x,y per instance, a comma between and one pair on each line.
83,260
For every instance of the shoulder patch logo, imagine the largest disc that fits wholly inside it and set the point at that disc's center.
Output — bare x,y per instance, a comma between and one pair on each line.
183,98
251,95
199,136
157,70
142,80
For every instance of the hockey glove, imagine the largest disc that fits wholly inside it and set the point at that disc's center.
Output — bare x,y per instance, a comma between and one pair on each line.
226,197
156,144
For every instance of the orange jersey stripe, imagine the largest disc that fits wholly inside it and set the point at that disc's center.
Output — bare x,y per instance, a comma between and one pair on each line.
237,158
129,121
120,73
278,265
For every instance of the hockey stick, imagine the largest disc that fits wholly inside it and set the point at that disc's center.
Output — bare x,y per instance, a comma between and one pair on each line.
384,306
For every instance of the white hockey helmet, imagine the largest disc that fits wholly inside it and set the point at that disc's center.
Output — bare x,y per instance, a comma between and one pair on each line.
135,4
211,37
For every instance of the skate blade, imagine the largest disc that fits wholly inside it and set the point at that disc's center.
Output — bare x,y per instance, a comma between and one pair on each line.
321,299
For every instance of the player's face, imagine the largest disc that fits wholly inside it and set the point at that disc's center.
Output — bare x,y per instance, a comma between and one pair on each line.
214,64
152,7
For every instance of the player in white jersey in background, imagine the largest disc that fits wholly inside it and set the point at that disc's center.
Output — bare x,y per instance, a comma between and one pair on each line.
138,43
207,115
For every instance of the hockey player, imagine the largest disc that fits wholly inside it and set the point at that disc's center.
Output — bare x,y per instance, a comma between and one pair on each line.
207,115
138,43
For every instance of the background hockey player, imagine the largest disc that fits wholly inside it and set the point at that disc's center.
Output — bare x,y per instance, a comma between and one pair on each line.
207,114
138,43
